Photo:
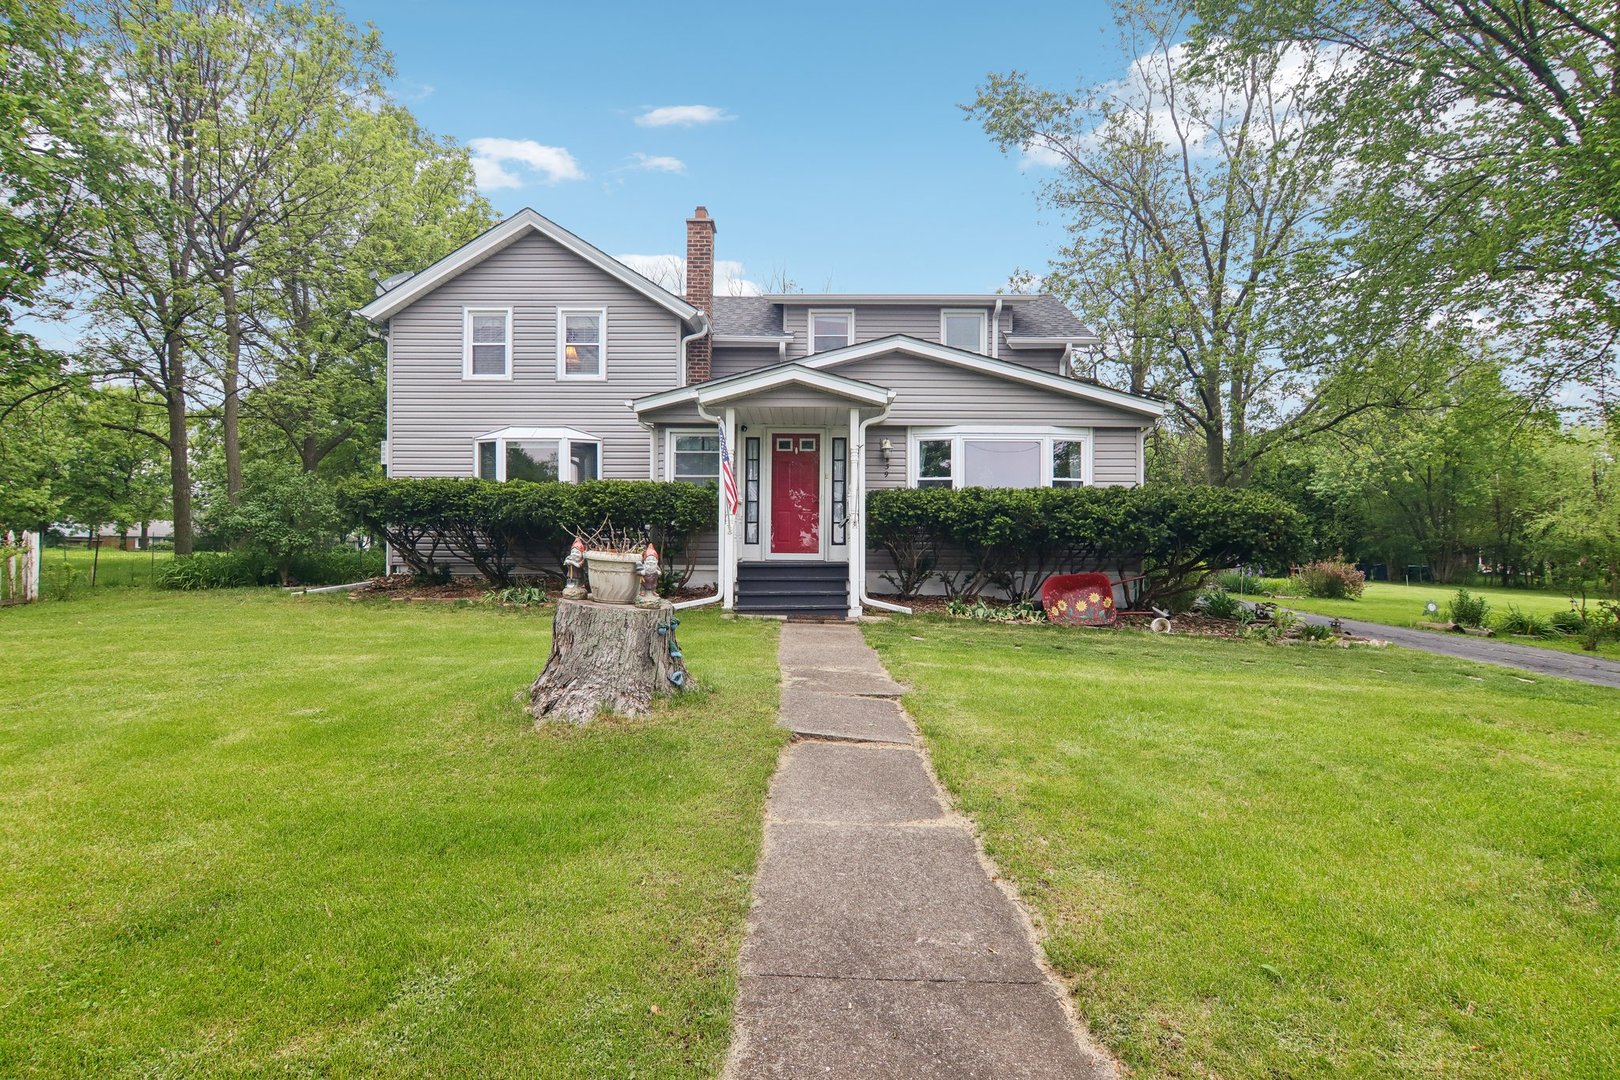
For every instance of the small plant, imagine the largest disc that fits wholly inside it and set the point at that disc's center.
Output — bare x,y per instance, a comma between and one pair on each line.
59,580
1466,609
1601,624
1220,604
1019,611
517,595
1567,622
1525,623
1332,580
1316,632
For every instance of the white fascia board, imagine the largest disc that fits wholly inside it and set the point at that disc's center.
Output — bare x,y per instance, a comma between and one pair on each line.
973,362
494,239
754,381
949,299
537,433
751,339
1051,342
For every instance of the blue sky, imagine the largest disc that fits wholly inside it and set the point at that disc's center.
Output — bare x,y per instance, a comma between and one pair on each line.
841,157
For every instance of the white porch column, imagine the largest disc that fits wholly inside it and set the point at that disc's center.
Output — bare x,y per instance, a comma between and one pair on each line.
728,541
855,510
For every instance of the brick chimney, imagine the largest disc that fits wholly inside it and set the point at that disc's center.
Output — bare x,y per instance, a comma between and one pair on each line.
700,290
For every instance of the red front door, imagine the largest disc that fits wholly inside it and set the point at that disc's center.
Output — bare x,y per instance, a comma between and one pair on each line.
795,494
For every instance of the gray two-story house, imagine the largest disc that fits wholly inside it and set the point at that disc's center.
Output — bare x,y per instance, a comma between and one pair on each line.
529,353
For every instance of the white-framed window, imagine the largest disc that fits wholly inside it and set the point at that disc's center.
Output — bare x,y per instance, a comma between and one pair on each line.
831,330
541,454
486,343
582,343
965,330
1002,456
692,455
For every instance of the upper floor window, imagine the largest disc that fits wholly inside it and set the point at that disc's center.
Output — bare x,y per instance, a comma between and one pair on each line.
541,454
831,330
486,343
964,330
1007,457
581,343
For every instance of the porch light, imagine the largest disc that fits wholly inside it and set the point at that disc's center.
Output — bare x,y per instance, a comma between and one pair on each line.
887,446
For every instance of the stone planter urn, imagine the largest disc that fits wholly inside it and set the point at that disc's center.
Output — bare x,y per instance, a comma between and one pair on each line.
613,577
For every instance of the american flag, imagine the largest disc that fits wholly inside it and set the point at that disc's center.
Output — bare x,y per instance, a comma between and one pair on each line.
728,479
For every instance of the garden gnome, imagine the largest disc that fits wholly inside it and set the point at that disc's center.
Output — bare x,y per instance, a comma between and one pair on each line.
648,596
575,563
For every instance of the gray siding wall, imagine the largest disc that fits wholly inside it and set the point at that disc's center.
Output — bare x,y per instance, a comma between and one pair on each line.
732,360
1116,456
1047,360
873,321
435,415
881,474
933,393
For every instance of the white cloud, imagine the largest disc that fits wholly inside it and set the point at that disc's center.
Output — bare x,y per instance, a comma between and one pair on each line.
1039,155
670,272
657,163
492,156
682,116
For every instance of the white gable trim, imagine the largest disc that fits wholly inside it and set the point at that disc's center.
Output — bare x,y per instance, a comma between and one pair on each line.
516,227
742,385
929,350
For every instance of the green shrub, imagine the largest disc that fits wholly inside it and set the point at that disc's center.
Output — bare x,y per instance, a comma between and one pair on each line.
1316,632
1220,604
1525,623
59,579
1236,581
283,514
215,570
1332,580
430,520
1466,609
1601,624
1013,539
1567,622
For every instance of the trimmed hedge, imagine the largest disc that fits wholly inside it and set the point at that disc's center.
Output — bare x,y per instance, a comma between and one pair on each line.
1012,539
430,520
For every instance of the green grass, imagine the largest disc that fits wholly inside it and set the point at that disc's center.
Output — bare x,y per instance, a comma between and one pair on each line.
114,569
1259,861
247,834
1395,604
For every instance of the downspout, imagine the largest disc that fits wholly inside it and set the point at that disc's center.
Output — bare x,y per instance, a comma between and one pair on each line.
858,551
722,583
702,324
995,335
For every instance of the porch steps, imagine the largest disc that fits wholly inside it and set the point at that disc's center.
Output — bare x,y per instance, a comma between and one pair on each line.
812,589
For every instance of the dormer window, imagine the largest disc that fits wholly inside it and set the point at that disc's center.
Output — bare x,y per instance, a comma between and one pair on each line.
831,330
964,330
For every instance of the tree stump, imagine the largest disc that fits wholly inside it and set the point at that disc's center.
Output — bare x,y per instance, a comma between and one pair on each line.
607,658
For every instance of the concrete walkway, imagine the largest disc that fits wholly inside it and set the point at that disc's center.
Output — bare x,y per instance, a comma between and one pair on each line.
879,945
1579,666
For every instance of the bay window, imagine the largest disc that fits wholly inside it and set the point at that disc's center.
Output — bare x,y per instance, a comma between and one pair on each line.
539,454
1002,457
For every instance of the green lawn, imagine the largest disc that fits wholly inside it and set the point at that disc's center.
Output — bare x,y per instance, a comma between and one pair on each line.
114,568
1395,604
1258,861
247,834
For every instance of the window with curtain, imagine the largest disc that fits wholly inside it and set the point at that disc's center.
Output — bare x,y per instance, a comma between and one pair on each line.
1001,458
488,334
1001,463
580,340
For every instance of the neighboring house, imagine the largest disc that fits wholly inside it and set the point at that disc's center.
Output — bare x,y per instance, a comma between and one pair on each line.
529,353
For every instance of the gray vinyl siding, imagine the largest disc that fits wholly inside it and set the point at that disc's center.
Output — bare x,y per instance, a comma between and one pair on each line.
1115,456
935,393
873,321
1047,360
435,415
881,474
733,360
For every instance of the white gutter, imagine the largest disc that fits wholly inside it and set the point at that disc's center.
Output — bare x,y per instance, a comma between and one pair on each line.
723,571
857,552
995,339
702,323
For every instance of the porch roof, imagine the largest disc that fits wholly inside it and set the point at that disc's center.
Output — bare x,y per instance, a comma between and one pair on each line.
736,389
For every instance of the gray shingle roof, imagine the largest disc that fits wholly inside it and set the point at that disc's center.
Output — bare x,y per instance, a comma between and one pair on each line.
746,315
1046,316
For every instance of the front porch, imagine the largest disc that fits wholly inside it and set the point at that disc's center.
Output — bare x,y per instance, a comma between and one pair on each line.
790,441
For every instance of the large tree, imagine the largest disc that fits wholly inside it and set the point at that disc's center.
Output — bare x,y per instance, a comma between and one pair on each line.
1480,142
1194,196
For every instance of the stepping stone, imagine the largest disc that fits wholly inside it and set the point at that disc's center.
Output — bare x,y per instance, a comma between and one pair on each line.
846,782
841,901
856,1028
840,716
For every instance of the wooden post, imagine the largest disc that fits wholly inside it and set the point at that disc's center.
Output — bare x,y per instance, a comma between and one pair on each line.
607,658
